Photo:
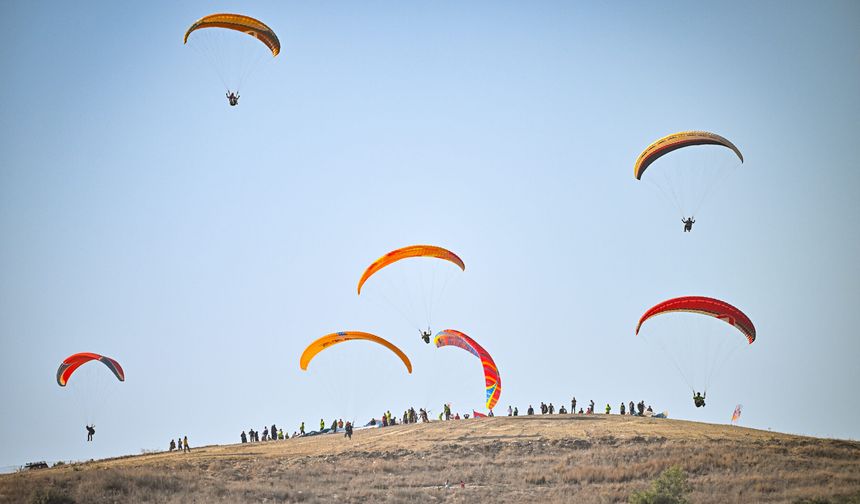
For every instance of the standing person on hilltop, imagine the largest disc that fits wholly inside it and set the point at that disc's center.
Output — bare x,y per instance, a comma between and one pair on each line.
516,411
550,409
621,409
185,447
510,411
265,433
608,408
178,444
446,408
302,429
543,408
641,407
172,444
632,410
273,433
530,411
590,407
243,437
348,430
322,425
573,405
334,425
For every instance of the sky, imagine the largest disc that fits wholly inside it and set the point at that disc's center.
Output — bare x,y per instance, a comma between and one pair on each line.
204,246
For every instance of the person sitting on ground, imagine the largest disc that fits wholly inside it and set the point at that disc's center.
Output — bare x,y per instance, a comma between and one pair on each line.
91,430
340,423
491,413
562,411
688,224
699,399
233,98
457,416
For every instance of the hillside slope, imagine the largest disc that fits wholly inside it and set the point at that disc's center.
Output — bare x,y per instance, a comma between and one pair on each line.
557,458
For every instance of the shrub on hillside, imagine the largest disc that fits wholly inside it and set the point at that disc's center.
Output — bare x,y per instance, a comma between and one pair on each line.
671,487
50,495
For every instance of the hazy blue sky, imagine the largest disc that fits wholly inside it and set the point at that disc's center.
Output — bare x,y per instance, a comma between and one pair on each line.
204,246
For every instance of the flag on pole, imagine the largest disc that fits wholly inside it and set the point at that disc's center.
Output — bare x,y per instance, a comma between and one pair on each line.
737,414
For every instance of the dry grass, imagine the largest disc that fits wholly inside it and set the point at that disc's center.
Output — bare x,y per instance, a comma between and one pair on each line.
549,459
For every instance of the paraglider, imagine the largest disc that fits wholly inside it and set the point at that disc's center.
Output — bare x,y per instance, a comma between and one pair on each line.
339,337
232,59
702,347
90,393
451,337
414,289
687,179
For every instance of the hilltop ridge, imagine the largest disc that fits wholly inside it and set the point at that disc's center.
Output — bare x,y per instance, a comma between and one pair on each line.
547,458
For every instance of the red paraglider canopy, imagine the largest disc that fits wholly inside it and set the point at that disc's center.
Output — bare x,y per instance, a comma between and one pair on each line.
73,362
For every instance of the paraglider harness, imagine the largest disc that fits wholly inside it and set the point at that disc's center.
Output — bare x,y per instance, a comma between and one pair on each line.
699,399
425,335
688,224
233,98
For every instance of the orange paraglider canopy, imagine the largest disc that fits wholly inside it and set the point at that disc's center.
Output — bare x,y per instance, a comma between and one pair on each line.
406,252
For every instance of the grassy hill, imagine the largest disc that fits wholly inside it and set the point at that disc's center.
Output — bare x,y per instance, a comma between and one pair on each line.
558,458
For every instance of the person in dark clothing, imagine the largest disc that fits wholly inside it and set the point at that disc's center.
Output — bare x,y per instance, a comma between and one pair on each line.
273,433
172,444
530,411
185,447
562,411
688,224
91,430
543,408
244,437
621,409
632,409
233,98
516,411
348,430
550,409
425,335
641,408
591,407
699,399
573,405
